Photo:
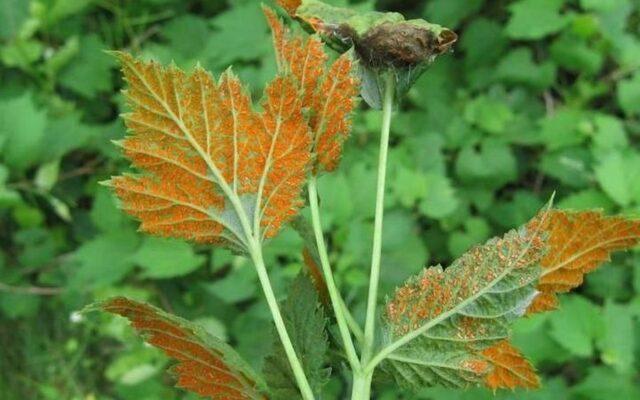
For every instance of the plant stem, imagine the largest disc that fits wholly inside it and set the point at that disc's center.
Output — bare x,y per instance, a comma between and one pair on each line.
372,300
296,366
353,324
334,294
361,387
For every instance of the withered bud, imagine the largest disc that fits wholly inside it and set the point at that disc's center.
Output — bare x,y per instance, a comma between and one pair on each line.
402,45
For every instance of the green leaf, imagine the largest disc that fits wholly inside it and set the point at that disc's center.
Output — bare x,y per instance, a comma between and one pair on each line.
490,115
535,19
629,95
619,175
440,321
22,126
563,129
440,200
574,54
165,258
605,384
13,13
452,12
228,44
519,68
104,260
483,41
577,325
618,343
609,133
475,231
237,286
105,214
90,72
305,322
492,165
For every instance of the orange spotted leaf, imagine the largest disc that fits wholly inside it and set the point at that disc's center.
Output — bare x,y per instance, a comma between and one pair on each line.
328,92
578,243
205,365
439,323
214,170
510,369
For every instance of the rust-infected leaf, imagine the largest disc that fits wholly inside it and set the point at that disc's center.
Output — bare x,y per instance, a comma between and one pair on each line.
290,5
328,92
578,243
205,365
446,318
214,169
510,369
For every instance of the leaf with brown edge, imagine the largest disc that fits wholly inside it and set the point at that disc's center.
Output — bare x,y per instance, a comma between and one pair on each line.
510,369
205,365
214,170
578,243
328,92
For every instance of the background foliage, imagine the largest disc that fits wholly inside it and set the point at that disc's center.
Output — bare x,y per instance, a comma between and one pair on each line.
540,96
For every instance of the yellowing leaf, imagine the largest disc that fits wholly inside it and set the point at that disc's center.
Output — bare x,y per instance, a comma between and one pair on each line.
510,369
578,243
328,92
206,365
214,170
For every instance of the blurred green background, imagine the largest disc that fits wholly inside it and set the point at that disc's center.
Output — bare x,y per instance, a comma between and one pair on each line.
539,96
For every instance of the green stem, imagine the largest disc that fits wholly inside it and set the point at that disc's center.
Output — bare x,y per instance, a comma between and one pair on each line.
334,294
357,331
372,300
296,366
361,389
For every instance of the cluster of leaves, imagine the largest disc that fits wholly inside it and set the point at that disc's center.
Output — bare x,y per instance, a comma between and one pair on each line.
539,96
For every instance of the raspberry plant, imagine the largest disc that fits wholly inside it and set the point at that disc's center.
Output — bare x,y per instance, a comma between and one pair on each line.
216,169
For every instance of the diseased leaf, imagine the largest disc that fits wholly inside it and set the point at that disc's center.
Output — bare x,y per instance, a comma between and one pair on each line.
290,5
215,170
206,365
578,243
328,92
510,369
442,321
305,321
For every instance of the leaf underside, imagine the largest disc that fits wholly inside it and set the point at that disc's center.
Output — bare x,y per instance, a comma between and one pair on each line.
305,321
454,315
206,366
459,318
207,156
328,92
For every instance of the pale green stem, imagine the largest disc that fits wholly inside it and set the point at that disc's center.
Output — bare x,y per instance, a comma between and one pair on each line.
372,300
361,389
296,366
334,294
353,324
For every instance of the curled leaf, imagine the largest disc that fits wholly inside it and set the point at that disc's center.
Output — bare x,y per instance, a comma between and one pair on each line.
206,366
214,170
328,92
578,243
